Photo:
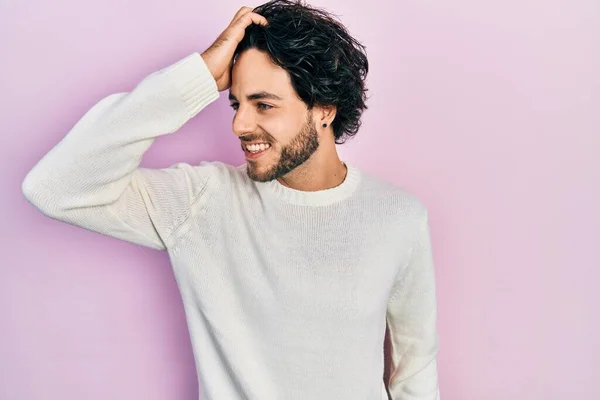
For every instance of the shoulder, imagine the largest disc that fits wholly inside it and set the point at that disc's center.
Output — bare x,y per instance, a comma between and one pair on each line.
208,176
220,178
391,198
216,171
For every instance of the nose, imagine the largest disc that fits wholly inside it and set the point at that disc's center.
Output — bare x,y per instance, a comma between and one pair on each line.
244,121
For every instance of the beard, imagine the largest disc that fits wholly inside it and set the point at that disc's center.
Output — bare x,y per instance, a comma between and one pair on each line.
292,155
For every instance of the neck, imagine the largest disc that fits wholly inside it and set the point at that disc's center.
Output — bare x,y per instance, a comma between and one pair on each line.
324,170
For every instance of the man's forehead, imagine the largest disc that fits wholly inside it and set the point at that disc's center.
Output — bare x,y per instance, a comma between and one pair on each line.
254,73
268,87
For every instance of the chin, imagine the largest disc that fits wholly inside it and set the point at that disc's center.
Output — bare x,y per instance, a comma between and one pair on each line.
260,175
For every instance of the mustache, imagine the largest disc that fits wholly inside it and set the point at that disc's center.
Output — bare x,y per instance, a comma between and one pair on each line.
254,138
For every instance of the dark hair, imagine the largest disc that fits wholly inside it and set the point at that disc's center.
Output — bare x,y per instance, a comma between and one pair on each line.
326,65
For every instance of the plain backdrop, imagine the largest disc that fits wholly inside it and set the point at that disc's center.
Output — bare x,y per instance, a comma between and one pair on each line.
489,111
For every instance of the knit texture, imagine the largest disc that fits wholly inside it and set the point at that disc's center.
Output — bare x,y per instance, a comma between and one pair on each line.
286,292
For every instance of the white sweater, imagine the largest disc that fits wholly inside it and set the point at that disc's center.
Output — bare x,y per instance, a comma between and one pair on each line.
287,293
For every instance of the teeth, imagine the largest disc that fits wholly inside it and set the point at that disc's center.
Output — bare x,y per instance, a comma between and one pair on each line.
257,147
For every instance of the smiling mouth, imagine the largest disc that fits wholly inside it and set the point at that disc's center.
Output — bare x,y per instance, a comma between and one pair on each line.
254,151
256,147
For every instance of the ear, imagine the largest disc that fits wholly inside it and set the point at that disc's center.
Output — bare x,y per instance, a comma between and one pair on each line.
326,114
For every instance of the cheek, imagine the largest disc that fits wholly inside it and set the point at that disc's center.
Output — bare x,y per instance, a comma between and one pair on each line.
275,128
282,128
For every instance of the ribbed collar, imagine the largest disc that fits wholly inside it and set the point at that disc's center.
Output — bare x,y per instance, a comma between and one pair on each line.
311,198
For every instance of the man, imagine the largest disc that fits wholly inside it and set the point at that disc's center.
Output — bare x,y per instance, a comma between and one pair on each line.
290,265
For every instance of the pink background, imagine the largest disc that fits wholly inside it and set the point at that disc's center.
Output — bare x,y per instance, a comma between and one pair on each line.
489,111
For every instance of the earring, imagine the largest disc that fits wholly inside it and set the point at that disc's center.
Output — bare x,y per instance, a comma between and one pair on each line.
324,125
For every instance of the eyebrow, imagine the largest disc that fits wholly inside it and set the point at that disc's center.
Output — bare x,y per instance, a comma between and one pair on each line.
258,96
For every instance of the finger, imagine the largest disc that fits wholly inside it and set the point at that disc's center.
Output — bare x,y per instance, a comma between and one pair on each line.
258,19
241,12
251,18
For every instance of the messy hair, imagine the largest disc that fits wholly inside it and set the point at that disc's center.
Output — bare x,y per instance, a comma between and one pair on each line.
326,65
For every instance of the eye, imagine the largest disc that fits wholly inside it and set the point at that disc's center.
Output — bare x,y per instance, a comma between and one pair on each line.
264,106
261,106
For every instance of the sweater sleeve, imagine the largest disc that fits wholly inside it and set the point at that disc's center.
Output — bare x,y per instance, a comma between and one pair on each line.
411,319
92,178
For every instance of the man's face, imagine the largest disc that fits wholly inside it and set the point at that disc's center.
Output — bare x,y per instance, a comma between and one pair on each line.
269,111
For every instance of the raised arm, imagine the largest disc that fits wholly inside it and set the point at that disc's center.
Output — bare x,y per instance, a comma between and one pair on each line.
92,178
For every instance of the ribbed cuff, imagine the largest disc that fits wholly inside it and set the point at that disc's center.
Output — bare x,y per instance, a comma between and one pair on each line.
194,82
